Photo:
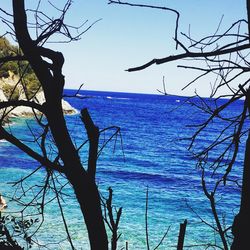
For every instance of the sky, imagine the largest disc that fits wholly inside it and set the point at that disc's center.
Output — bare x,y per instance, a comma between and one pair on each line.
128,36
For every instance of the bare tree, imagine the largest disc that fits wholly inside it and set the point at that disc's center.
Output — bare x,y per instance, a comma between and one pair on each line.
224,55
228,62
65,161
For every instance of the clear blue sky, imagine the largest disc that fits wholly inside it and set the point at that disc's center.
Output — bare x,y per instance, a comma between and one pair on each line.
128,36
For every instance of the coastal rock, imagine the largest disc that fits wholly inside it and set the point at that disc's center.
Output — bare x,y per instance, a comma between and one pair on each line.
12,83
2,97
40,99
67,108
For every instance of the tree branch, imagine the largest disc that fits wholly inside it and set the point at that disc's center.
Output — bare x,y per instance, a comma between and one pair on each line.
17,103
93,136
153,7
12,58
44,161
190,55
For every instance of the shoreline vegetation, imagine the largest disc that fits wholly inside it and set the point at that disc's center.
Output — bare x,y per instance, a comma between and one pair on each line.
18,82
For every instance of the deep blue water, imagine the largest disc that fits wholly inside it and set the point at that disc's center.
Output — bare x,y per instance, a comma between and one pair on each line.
149,153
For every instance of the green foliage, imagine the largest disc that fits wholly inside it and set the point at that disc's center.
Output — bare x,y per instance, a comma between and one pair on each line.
19,68
6,67
10,92
6,49
31,84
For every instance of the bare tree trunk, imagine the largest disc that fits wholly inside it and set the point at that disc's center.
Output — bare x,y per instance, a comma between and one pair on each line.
248,16
241,225
88,197
52,81
182,233
82,182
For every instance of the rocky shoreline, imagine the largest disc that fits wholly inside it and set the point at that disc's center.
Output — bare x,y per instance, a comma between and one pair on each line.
12,82
22,111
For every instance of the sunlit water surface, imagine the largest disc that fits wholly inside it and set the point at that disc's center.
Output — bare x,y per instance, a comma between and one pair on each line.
149,154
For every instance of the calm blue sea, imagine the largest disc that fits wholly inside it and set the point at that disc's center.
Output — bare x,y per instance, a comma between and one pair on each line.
149,153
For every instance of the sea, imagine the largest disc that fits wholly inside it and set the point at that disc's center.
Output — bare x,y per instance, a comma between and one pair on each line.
143,152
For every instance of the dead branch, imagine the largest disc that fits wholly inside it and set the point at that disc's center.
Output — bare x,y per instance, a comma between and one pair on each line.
111,221
190,55
153,7
93,136
182,233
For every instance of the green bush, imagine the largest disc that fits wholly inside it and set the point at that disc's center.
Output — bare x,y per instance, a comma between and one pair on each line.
10,92
31,83
20,68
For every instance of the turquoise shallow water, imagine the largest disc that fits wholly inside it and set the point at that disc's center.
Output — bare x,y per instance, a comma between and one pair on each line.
150,155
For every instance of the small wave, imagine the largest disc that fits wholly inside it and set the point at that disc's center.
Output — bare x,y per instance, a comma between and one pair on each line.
117,98
84,96
123,98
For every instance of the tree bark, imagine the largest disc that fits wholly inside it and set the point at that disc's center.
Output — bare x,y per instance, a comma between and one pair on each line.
182,233
52,81
241,225
88,197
